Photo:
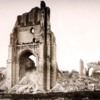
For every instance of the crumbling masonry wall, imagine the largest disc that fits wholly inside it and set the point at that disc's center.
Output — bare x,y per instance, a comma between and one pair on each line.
32,35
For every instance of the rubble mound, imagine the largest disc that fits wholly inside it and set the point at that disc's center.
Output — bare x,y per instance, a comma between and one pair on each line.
3,84
2,73
65,75
27,84
66,82
74,82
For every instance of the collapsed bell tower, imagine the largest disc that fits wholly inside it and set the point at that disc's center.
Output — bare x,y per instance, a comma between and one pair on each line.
32,35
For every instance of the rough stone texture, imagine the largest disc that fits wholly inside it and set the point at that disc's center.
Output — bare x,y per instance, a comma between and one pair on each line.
96,68
83,70
2,73
96,75
69,83
81,66
32,35
3,83
28,84
66,82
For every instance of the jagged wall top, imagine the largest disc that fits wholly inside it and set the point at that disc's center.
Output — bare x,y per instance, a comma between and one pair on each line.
36,21
33,17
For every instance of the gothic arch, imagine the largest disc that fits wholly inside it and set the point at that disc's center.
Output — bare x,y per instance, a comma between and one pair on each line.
25,63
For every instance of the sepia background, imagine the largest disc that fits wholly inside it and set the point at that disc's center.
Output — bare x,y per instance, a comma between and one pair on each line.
75,23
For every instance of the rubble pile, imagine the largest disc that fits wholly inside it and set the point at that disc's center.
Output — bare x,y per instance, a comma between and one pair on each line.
27,85
66,82
2,73
65,75
3,83
74,82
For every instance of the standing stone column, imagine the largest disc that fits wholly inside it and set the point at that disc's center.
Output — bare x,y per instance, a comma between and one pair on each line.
81,67
53,63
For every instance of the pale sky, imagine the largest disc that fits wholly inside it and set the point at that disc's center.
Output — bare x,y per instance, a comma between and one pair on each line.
75,23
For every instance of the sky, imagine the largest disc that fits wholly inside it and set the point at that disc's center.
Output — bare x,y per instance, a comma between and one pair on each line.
75,23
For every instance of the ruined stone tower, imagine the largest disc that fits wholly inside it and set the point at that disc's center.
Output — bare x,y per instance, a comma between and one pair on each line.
32,35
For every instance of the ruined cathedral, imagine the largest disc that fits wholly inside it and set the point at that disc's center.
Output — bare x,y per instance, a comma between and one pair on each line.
39,78
32,36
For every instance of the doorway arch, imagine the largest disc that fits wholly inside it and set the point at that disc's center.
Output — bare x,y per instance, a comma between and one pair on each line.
26,64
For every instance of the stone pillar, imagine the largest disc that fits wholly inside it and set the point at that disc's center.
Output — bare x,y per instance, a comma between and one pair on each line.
45,67
48,66
40,67
17,69
9,66
81,67
53,65
53,61
48,75
13,74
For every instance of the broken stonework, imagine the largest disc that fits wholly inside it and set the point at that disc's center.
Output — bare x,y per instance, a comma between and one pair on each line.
70,84
65,83
95,66
2,73
32,36
27,85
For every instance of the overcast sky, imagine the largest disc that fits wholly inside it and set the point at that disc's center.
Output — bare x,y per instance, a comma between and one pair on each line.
75,23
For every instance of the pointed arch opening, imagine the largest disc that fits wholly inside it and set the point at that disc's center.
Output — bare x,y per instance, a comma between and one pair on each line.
27,63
